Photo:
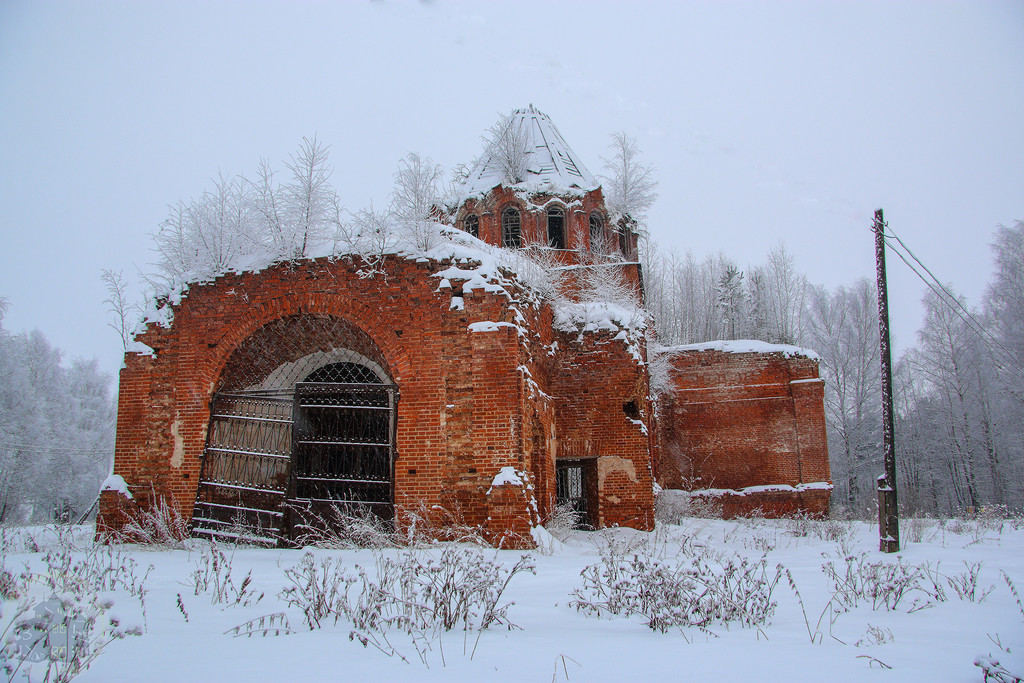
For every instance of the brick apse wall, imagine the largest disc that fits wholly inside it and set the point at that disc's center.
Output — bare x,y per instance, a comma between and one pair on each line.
746,428
485,382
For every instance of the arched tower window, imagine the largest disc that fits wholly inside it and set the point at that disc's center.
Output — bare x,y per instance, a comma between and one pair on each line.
511,234
472,224
625,240
556,228
596,232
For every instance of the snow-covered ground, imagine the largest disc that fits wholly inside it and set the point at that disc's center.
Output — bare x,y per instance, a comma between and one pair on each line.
817,636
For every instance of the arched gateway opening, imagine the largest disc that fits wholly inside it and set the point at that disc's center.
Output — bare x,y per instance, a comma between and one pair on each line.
302,423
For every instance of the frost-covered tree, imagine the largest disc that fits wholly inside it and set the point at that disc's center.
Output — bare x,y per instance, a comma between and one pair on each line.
731,302
843,329
506,142
1004,304
629,184
786,297
56,430
311,206
949,360
206,236
240,219
118,305
416,197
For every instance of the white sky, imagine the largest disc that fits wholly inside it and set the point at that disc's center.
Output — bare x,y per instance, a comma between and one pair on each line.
766,122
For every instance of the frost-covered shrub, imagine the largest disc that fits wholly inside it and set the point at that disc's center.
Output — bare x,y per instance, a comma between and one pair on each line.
64,616
62,635
159,525
315,589
965,584
917,527
461,588
673,507
994,671
416,594
212,576
694,592
345,529
563,520
883,584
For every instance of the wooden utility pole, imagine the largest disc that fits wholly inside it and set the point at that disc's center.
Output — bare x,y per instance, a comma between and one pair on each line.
888,517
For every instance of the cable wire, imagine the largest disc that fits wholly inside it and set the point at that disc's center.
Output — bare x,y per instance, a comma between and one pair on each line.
999,351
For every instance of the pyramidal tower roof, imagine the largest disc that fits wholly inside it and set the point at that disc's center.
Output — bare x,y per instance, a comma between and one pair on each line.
545,161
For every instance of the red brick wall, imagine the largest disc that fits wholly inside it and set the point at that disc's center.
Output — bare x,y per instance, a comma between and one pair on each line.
471,402
603,413
737,420
533,226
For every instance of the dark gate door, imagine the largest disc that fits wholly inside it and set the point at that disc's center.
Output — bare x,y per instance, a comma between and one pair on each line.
344,449
244,477
574,485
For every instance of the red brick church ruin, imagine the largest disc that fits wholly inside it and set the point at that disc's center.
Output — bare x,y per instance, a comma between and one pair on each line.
447,385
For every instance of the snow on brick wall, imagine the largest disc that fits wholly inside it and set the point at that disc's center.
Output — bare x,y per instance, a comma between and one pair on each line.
745,419
473,398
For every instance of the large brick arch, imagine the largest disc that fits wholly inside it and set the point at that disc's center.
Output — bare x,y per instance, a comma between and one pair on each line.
345,308
281,352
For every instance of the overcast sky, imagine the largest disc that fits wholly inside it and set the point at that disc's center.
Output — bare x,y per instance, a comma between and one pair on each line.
765,121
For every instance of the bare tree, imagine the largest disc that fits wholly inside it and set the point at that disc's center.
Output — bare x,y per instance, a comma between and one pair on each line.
506,142
118,305
309,202
417,196
205,237
843,329
630,185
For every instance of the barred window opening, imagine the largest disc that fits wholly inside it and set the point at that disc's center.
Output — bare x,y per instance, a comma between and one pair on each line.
472,224
596,231
511,235
556,228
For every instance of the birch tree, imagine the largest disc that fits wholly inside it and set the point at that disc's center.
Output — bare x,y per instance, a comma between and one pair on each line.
506,142
311,206
630,187
416,196
843,329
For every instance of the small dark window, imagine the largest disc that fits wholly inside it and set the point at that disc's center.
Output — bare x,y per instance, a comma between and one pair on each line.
625,235
596,232
556,228
511,236
472,224
631,409
576,489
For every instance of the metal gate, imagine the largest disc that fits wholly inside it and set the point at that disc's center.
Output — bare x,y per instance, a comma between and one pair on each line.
244,478
344,448
574,486
279,462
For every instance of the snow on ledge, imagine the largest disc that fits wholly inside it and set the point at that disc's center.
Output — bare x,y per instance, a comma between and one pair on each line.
139,348
769,488
743,346
115,482
507,476
491,326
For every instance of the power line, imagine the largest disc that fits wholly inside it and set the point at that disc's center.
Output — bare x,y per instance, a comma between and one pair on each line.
35,448
946,297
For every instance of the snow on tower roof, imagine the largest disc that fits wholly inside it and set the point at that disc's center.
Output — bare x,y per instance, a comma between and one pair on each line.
550,164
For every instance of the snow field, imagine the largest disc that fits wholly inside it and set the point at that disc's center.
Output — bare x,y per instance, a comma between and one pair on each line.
922,639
